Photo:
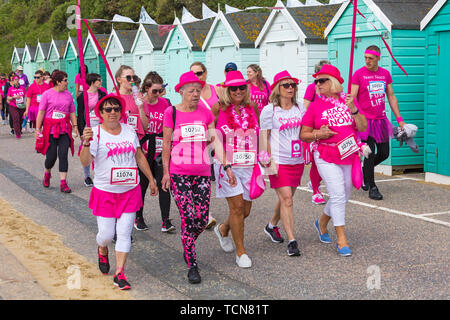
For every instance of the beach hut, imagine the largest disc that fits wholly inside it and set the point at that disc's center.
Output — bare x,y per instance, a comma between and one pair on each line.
146,51
436,26
118,51
92,59
399,23
72,62
28,61
231,38
41,56
16,58
183,46
292,39
56,56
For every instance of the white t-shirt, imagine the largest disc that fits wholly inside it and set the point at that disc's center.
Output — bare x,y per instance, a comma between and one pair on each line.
284,126
115,167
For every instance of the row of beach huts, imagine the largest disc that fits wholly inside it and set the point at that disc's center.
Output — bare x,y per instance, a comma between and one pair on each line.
417,31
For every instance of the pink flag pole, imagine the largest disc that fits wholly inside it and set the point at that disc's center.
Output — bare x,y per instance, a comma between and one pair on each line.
82,66
352,50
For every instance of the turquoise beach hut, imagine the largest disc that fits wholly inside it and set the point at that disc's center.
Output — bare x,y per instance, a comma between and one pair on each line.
399,23
28,61
40,59
16,58
92,58
72,62
183,46
436,26
118,52
146,51
56,56
231,38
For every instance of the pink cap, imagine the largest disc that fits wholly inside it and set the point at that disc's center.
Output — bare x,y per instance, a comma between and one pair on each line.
188,77
283,75
330,70
234,79
109,96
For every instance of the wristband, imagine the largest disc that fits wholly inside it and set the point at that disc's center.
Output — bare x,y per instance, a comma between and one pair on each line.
86,145
399,119
355,113
225,168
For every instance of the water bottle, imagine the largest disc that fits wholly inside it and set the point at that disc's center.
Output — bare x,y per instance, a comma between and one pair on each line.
135,90
24,122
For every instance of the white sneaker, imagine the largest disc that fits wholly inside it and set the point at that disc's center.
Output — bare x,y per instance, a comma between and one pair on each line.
30,130
244,261
225,242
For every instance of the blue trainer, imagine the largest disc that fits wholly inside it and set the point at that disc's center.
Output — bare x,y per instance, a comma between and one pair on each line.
325,238
344,251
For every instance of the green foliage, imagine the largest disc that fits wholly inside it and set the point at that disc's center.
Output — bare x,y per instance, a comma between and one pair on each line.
26,21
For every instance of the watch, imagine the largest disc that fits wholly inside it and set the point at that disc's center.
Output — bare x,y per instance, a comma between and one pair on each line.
355,113
225,168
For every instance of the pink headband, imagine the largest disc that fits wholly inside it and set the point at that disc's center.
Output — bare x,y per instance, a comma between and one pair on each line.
372,52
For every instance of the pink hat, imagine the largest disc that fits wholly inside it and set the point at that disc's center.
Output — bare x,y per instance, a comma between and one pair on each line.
330,70
123,114
16,77
234,79
283,75
188,77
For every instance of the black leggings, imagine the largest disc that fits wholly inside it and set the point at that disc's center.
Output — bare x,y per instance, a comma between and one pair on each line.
374,160
164,197
59,148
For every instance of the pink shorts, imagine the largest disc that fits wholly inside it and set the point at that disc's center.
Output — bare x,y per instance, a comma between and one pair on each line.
289,175
112,205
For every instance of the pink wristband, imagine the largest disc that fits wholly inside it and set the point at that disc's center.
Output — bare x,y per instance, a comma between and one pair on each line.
399,119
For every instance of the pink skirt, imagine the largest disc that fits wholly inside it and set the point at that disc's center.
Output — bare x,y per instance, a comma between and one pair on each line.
289,175
32,113
113,205
381,130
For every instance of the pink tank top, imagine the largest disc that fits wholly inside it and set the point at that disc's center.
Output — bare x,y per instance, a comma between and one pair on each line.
211,100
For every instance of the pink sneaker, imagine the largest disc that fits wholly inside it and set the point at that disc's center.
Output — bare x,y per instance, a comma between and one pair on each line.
317,198
47,177
64,187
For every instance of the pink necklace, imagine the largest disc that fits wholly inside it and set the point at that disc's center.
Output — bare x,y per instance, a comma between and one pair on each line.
245,121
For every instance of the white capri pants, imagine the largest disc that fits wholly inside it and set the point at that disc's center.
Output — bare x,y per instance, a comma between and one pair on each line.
123,227
338,180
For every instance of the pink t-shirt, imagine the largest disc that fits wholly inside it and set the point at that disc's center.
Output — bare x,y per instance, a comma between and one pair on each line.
189,154
14,92
35,92
337,116
155,114
55,104
82,85
310,93
2,84
372,91
132,110
260,97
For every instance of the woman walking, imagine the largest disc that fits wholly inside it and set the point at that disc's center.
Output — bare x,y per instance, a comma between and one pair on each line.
332,122
115,196
282,147
260,89
16,100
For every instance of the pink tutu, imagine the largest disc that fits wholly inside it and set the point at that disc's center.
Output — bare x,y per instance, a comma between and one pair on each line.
379,129
112,205
32,113
289,175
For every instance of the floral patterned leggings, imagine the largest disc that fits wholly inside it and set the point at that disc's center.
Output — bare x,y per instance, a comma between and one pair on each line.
192,195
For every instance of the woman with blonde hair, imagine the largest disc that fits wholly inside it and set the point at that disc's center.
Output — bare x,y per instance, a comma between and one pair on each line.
282,148
260,89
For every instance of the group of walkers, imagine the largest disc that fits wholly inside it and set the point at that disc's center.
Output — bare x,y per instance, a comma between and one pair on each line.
234,133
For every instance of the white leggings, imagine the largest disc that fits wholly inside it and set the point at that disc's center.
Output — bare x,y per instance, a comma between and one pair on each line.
338,179
107,227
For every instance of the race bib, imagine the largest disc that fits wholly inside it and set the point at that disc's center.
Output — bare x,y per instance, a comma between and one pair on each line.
20,100
158,144
38,97
296,149
58,115
81,88
21,82
244,158
133,121
193,132
377,87
347,146
124,176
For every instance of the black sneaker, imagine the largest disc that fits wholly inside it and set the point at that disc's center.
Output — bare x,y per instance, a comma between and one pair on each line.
121,281
167,226
88,182
375,194
293,249
139,224
274,234
194,275
365,187
103,262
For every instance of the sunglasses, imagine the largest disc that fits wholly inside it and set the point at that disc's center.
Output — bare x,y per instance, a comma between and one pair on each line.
293,85
321,81
65,80
155,91
199,74
131,78
116,109
37,77
242,88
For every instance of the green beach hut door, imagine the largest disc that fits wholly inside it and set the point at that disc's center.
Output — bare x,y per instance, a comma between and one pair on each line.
443,118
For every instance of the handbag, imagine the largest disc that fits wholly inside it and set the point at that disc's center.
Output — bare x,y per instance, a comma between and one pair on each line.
257,182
